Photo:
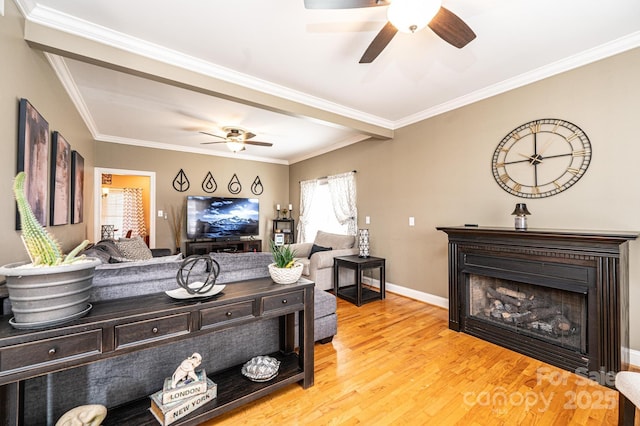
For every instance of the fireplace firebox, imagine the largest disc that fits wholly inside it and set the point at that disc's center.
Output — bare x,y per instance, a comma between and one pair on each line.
557,296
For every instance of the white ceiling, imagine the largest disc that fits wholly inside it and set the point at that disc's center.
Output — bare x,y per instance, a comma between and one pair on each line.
311,56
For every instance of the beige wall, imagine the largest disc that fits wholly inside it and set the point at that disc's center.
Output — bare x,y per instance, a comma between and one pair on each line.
27,74
439,171
167,164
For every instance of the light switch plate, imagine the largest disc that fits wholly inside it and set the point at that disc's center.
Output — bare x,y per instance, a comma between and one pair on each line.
412,221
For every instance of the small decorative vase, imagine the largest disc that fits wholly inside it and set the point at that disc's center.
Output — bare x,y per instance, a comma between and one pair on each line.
363,242
285,275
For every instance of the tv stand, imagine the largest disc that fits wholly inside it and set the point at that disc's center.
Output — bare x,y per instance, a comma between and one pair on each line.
234,246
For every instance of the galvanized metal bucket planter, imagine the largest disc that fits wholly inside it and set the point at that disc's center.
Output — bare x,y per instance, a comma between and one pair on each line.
49,295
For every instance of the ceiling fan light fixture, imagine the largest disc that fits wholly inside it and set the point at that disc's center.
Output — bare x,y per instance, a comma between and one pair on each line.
409,16
235,146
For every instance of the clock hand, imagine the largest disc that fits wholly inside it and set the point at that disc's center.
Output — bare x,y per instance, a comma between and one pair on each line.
533,159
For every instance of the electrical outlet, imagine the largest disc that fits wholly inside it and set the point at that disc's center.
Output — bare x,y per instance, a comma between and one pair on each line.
160,213
367,220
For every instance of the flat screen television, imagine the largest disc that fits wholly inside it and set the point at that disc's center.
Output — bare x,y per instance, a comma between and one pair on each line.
221,219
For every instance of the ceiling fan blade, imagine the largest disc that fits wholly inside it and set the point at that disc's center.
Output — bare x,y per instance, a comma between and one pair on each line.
209,143
249,135
211,134
343,4
449,27
379,43
258,143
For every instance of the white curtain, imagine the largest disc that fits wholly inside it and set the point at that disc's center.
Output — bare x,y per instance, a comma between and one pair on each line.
307,190
342,188
133,212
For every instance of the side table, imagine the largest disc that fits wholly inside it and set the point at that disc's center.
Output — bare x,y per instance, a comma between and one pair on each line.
356,293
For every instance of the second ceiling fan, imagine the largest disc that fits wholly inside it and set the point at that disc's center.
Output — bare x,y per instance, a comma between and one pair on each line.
236,139
406,16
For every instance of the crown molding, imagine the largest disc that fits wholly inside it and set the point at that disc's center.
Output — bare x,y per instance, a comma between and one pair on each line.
63,22
64,75
346,142
584,58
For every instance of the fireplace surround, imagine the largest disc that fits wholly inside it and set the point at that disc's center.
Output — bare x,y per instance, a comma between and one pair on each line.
560,296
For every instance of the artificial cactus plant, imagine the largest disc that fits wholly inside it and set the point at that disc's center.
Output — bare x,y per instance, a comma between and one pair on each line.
43,249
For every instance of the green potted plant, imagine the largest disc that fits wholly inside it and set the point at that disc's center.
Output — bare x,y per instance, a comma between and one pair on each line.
52,288
284,269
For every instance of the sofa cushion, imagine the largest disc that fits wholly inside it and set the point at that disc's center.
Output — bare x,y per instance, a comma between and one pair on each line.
337,241
242,266
316,248
325,304
305,264
134,248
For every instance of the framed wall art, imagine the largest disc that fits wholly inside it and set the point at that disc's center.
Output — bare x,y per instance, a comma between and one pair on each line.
33,159
77,187
60,185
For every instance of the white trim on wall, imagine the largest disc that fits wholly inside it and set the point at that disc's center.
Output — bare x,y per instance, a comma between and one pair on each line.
97,201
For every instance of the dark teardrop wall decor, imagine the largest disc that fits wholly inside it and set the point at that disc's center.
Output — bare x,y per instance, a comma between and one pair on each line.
181,182
234,185
256,186
209,184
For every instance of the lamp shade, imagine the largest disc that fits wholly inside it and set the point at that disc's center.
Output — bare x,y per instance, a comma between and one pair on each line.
520,210
409,16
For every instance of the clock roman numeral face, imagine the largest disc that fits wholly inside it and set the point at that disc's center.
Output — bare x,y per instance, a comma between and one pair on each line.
541,158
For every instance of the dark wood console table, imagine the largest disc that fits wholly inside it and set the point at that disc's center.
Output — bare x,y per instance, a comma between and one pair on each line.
128,325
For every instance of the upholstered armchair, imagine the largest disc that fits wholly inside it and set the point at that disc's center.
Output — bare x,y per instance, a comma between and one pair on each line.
317,257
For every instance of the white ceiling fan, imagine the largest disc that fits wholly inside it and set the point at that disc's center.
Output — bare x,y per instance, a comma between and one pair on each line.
236,139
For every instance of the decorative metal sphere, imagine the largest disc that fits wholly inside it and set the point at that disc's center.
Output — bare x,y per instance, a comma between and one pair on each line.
207,276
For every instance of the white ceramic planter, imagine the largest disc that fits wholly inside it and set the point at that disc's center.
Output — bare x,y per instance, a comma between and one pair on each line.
285,275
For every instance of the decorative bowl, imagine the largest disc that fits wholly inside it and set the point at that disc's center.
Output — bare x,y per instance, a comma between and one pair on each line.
261,368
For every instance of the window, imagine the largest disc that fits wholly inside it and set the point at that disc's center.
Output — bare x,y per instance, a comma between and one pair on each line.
321,215
329,205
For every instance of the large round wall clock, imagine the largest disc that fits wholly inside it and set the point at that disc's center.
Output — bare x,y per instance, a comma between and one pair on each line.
541,158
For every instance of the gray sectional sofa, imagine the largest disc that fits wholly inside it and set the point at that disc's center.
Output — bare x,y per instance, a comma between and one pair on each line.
117,380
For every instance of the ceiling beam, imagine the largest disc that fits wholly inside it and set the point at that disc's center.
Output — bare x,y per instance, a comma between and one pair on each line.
83,49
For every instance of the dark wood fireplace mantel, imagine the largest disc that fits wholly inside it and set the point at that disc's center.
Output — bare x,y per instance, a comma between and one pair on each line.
591,264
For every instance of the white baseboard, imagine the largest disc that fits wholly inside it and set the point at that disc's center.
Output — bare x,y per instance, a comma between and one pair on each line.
431,299
443,302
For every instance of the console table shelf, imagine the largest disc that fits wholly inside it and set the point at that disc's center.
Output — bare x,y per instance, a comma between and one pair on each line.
122,326
234,390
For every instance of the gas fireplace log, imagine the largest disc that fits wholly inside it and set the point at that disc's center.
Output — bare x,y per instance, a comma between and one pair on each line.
560,324
536,302
517,317
544,313
512,293
493,294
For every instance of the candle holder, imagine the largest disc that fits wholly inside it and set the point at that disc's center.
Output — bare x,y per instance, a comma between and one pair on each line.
520,213
363,243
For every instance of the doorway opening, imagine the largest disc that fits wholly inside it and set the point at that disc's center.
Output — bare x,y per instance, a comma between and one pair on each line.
108,212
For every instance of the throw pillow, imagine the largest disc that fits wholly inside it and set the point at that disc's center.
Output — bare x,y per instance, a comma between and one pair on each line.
134,248
316,248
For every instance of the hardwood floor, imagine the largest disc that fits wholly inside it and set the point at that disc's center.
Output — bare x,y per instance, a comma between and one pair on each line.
396,362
